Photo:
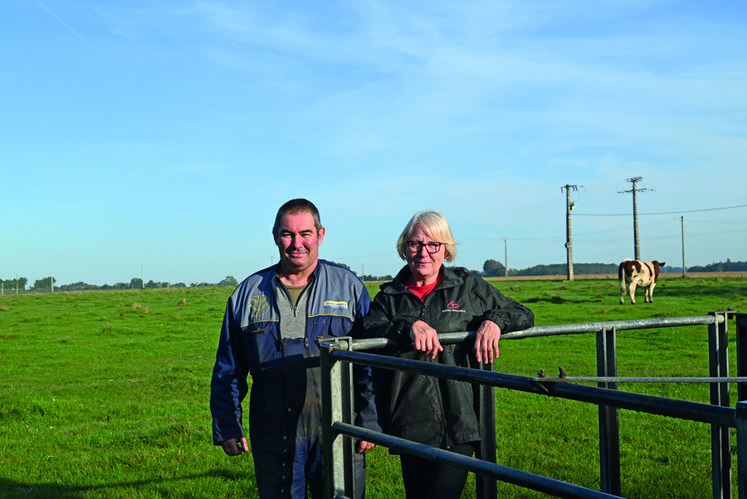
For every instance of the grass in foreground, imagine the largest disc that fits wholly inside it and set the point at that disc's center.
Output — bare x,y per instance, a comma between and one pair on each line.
105,394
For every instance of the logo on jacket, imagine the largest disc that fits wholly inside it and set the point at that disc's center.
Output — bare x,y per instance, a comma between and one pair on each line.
258,305
335,304
452,306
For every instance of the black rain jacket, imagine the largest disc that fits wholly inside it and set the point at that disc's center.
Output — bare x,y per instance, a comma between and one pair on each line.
435,411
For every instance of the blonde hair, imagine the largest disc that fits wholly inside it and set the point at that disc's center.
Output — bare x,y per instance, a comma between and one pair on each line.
435,224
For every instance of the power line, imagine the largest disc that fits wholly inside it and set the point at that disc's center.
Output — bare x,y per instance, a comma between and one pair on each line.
710,222
659,213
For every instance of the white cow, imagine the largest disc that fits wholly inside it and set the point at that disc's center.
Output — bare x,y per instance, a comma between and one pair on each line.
638,273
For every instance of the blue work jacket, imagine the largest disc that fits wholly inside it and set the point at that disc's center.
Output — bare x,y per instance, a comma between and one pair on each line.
251,344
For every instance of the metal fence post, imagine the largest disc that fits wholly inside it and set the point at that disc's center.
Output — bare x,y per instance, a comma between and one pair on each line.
609,420
339,475
742,449
718,341
486,486
741,333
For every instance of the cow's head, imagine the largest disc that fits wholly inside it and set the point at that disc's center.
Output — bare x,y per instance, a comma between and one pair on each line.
657,266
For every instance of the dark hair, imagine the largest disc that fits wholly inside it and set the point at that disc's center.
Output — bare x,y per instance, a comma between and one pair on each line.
298,205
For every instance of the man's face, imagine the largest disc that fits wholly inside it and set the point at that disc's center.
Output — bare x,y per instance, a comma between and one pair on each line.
298,242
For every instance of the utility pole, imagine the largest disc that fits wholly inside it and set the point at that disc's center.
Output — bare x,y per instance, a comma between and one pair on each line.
505,257
634,190
568,240
682,223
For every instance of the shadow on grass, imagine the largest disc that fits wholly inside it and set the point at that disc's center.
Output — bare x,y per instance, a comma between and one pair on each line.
10,489
675,290
555,300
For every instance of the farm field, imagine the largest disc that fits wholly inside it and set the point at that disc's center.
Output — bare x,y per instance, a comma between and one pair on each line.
105,393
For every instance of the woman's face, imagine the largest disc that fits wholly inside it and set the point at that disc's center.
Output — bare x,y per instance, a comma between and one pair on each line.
424,265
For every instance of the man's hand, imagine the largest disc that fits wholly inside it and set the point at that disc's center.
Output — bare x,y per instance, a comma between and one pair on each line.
364,446
234,446
486,341
425,339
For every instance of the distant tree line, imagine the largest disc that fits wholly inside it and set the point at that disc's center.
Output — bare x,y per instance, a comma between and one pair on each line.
727,266
494,268
491,268
367,277
49,284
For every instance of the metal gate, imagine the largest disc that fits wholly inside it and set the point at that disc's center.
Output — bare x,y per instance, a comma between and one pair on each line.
339,432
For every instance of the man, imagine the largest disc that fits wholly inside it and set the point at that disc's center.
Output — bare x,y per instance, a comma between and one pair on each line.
270,327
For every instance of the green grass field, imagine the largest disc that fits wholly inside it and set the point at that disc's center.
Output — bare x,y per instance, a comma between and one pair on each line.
105,393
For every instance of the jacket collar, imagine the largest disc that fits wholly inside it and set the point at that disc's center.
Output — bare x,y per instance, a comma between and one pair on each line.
449,279
313,277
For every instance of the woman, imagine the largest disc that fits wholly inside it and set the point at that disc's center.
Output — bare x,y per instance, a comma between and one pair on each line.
425,299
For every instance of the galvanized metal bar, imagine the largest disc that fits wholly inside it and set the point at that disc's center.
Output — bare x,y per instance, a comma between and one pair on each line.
339,476
681,409
720,434
331,411
742,449
560,329
593,327
609,421
487,488
348,445
367,344
495,471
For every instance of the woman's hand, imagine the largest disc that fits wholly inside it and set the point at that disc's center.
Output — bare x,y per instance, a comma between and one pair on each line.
486,341
425,339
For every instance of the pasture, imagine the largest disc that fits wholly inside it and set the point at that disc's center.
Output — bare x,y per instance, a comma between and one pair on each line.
105,393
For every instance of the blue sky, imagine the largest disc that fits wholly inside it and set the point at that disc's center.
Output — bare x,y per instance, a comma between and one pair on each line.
161,136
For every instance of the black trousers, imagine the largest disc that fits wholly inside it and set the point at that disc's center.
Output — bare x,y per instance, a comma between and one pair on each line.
430,480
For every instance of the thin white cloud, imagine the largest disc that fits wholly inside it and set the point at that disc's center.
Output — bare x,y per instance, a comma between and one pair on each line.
72,30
